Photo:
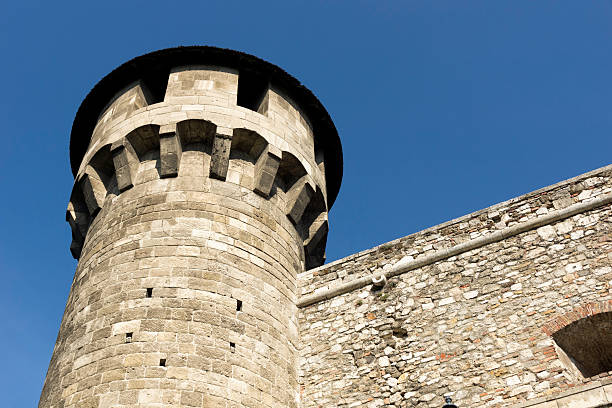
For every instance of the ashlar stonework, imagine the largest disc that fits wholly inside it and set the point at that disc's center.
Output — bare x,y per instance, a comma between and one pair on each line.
203,180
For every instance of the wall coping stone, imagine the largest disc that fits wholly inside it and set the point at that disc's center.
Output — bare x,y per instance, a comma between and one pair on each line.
403,267
600,384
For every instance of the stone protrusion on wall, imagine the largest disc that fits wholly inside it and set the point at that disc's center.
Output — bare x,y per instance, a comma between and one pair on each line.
265,172
75,248
77,214
130,151
317,231
265,102
170,151
127,101
314,244
298,197
77,217
297,184
124,167
320,160
314,228
98,179
266,168
219,160
93,191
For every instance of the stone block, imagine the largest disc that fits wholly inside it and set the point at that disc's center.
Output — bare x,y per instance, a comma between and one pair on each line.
265,172
170,154
584,399
94,192
184,294
219,161
298,197
123,172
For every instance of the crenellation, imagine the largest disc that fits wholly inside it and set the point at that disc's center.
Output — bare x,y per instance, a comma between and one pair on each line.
316,232
94,191
171,116
284,112
198,81
138,158
77,216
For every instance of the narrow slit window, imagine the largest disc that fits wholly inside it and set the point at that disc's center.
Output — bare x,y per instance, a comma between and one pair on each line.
232,347
238,305
128,337
149,292
162,362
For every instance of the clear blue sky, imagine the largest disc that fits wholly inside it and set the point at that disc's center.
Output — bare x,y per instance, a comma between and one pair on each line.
443,108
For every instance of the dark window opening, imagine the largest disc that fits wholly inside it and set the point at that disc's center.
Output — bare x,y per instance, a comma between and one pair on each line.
588,344
162,362
128,337
149,292
238,305
252,92
232,347
154,83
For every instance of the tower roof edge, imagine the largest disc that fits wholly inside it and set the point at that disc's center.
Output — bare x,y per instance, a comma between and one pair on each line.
154,64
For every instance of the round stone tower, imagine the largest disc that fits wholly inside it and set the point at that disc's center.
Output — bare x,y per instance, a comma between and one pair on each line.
203,178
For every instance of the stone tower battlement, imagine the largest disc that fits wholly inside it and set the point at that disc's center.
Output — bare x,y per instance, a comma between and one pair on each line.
203,178
200,107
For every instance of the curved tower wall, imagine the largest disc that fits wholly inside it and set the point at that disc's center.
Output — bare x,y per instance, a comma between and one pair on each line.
191,219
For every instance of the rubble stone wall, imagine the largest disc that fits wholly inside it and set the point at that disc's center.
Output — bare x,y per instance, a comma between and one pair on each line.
477,326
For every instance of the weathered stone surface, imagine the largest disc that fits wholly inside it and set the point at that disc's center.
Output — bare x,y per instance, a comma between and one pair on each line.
185,290
478,326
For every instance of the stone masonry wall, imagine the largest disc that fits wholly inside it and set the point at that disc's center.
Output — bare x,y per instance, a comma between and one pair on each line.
191,219
476,326
200,251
